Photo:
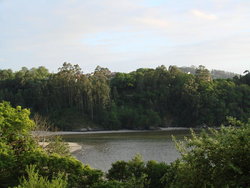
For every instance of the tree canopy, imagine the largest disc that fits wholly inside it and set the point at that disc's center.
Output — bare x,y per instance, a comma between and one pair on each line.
142,99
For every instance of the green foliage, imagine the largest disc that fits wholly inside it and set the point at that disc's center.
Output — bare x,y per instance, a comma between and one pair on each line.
119,171
19,149
7,159
155,172
142,99
137,173
131,172
110,184
203,74
122,171
15,140
58,146
244,79
15,122
34,180
219,158
79,175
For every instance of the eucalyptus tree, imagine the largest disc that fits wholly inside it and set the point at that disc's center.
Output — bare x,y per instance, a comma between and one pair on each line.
100,89
202,73
6,74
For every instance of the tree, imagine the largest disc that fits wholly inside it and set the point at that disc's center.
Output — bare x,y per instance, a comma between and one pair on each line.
6,74
67,77
15,123
246,78
100,90
137,173
18,149
15,140
203,74
38,181
219,158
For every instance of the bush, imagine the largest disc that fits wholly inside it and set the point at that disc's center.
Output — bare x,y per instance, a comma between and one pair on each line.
110,184
219,158
36,181
19,149
78,174
155,172
57,146
123,171
137,173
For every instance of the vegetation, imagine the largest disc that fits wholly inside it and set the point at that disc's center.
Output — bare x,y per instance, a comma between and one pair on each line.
37,181
137,173
218,158
142,99
18,150
215,74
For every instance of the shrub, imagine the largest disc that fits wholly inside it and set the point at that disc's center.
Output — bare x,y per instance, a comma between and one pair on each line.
123,171
57,146
34,180
219,158
110,184
19,149
136,173
155,172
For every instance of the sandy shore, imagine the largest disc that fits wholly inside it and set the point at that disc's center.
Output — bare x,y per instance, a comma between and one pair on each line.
72,146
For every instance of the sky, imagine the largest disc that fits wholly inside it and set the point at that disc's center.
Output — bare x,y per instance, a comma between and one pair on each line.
125,35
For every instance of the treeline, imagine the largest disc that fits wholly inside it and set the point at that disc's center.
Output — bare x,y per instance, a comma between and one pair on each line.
215,74
142,99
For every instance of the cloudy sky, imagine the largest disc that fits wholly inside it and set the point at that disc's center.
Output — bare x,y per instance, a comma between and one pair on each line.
124,35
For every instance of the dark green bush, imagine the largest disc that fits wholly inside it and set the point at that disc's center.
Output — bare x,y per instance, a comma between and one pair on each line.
155,172
110,184
123,171
137,173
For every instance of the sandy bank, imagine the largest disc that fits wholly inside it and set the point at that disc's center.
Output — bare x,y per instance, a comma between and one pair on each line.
72,146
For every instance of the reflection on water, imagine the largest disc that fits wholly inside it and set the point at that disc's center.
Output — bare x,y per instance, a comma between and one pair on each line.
101,150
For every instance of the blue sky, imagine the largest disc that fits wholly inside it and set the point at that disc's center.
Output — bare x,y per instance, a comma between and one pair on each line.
125,35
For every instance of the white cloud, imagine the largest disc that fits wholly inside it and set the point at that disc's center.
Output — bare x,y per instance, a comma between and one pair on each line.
203,15
152,22
229,53
172,33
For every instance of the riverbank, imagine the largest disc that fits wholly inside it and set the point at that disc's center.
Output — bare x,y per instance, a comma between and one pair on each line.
72,146
49,133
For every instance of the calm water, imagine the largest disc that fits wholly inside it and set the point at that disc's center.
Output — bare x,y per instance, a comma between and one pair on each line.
101,150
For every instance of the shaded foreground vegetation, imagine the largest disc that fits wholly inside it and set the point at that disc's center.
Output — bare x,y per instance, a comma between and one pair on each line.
218,159
142,99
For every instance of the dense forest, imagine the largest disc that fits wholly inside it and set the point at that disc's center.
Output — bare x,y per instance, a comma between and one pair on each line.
142,99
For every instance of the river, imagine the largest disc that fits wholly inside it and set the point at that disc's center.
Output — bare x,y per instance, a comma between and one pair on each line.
101,150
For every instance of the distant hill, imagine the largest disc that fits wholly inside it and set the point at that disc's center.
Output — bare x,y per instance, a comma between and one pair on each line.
216,74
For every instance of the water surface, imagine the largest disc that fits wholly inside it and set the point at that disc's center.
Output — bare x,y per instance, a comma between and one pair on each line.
101,150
